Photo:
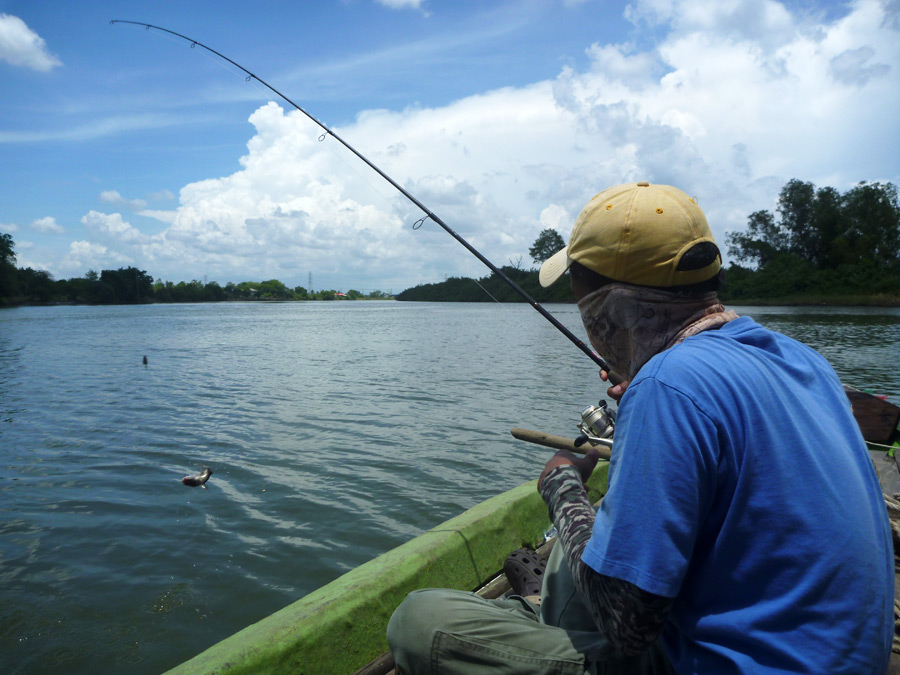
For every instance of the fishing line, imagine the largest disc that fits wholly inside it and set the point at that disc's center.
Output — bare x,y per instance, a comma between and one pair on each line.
429,215
388,200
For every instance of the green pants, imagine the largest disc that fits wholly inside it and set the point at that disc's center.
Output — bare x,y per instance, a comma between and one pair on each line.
446,631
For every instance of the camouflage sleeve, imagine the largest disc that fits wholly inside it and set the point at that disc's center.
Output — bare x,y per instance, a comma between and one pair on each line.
629,617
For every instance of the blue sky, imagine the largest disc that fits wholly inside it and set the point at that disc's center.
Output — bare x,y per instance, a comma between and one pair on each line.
120,146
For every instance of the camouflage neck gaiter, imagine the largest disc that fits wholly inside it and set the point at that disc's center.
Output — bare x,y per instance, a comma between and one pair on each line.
627,324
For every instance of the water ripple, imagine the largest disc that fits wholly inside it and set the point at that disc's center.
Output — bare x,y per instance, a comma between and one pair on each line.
335,432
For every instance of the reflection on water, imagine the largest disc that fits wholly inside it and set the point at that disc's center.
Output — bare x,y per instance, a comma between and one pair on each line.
335,430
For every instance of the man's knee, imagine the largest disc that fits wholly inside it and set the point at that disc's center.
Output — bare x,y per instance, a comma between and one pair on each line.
414,620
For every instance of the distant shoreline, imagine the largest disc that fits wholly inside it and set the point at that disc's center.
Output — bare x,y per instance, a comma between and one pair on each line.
787,301
819,301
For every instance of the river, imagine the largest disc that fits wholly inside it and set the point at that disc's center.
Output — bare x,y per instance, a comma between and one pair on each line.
335,431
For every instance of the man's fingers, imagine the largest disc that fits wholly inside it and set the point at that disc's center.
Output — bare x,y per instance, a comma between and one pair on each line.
587,463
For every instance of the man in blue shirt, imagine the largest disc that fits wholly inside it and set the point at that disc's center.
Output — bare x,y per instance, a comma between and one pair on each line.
744,530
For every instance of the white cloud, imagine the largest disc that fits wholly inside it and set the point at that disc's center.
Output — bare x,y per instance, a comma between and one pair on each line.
555,217
98,128
9,227
729,103
113,197
47,225
113,227
402,4
162,196
21,46
162,216
85,255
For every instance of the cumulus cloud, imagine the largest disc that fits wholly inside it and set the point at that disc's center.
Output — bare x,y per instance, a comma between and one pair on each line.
21,46
9,227
114,227
731,101
113,197
47,225
85,255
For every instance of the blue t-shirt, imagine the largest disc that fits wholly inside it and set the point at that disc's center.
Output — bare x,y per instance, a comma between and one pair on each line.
741,486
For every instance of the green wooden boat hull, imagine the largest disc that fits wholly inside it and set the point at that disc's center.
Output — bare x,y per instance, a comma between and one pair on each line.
340,627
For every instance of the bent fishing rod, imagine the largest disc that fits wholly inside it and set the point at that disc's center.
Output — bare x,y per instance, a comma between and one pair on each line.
428,213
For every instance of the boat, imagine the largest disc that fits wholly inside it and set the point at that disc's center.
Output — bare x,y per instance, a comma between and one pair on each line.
340,628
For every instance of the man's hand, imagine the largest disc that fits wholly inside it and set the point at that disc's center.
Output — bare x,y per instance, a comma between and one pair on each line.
585,464
615,392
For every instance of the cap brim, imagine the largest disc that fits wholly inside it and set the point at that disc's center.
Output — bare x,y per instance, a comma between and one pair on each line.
554,267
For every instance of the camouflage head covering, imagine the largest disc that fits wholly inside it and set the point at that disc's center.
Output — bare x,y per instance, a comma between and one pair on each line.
628,325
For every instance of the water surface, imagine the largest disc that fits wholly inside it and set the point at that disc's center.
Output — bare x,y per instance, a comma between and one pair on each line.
335,431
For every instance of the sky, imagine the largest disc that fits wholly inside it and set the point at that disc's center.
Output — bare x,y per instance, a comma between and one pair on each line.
122,147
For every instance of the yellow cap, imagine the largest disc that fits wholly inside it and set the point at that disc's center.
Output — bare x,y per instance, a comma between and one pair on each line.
636,233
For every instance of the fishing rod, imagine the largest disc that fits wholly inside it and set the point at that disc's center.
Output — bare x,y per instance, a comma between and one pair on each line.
428,213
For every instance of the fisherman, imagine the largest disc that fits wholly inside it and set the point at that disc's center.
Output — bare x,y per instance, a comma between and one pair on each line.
744,529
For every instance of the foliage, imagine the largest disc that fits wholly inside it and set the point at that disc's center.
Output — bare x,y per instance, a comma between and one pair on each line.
823,243
7,248
488,289
548,242
126,285
493,287
274,290
129,285
9,286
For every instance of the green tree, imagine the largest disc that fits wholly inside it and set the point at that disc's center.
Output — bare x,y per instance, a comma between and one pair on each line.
7,248
822,243
247,290
797,210
548,242
162,291
872,223
829,221
760,244
126,286
213,292
274,290
9,286
36,285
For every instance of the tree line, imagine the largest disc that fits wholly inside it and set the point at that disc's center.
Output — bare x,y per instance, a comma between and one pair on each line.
488,289
129,285
820,246
819,243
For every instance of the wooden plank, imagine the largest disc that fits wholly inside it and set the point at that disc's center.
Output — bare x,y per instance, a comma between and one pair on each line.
876,417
